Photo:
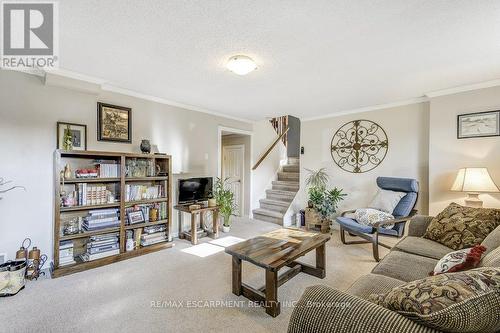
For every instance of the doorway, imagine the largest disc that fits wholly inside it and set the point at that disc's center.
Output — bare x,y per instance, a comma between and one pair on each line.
234,163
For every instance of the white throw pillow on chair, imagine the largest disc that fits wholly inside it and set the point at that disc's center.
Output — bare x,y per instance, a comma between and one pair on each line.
386,200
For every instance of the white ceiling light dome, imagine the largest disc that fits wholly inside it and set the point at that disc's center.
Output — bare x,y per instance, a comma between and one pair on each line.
241,64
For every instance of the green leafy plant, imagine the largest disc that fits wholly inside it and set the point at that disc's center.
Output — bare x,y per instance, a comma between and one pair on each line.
67,139
225,199
324,201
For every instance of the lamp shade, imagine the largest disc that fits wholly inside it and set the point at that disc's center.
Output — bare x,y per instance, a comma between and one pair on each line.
474,180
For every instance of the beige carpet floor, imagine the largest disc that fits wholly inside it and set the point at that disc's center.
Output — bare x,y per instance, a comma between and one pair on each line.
171,291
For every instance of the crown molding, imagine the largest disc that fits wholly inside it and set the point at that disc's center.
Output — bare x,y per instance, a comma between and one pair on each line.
370,108
464,88
89,84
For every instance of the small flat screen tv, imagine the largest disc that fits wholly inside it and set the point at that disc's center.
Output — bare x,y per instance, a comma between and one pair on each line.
195,189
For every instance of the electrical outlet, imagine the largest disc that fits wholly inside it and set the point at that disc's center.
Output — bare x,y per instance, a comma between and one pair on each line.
3,258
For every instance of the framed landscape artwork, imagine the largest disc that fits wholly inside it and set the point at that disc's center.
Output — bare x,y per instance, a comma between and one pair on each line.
478,125
114,123
71,136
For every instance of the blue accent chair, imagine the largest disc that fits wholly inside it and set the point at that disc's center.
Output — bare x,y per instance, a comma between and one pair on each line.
403,212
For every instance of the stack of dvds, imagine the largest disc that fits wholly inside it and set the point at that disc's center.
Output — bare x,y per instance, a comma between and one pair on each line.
66,253
153,235
101,246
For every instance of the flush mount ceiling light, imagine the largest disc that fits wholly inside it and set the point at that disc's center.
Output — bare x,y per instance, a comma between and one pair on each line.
241,64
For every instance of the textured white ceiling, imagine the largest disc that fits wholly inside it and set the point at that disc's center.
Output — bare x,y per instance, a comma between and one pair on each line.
315,57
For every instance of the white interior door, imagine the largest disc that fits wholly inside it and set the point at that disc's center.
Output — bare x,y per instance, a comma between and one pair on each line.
233,161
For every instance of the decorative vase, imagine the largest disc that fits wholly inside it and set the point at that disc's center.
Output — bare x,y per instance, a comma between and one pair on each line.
145,146
67,172
212,202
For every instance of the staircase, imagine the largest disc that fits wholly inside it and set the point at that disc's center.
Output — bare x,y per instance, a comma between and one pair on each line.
280,196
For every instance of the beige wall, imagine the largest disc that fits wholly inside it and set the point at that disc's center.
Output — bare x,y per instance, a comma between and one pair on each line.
29,111
240,139
407,156
447,154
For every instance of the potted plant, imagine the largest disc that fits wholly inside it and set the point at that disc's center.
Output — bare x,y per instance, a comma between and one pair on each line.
322,202
225,201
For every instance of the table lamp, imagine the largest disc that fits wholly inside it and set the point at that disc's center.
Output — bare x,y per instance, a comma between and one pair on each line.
474,181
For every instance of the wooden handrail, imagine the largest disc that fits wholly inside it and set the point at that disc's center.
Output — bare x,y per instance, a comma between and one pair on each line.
270,148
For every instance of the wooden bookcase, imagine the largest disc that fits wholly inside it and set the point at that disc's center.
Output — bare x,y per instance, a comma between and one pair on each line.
162,170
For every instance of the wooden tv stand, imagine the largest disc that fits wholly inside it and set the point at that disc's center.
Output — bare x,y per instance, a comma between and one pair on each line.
202,232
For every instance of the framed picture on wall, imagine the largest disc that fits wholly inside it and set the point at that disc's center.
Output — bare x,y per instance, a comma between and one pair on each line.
71,136
478,125
114,123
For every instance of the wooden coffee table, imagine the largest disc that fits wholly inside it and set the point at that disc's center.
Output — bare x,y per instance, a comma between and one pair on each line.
273,251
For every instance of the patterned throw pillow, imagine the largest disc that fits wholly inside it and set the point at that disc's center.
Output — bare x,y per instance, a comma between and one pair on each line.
460,260
460,227
369,216
452,302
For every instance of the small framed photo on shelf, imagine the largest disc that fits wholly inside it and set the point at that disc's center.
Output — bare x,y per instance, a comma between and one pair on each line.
478,125
71,136
114,123
135,217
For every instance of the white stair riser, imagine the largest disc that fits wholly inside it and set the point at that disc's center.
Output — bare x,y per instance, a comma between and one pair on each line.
293,160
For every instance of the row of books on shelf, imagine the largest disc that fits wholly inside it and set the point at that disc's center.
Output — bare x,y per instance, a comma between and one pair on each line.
101,169
108,169
102,246
143,237
91,194
101,219
143,192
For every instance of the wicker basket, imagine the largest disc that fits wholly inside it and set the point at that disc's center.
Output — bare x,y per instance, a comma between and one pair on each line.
314,221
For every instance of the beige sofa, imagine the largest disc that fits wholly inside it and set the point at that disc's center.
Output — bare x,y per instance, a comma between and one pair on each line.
324,309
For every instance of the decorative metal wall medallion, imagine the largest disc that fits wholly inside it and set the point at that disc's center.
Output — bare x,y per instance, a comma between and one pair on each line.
359,146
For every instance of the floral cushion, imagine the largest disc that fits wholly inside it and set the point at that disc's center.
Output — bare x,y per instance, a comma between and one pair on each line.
460,227
369,216
466,301
460,260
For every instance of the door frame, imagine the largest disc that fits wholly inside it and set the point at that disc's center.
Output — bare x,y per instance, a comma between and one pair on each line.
242,187
232,130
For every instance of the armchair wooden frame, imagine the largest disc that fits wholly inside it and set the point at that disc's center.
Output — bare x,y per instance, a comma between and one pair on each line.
372,238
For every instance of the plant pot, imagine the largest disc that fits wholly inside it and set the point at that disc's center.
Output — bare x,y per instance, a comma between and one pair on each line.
226,228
